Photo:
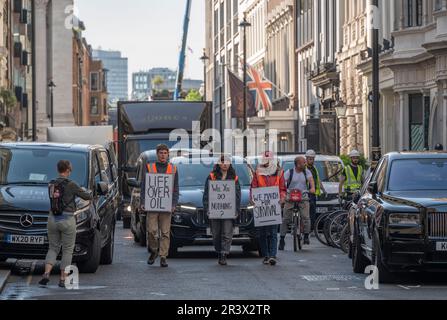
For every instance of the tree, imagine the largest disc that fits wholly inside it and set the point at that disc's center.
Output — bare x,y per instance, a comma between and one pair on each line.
157,82
194,95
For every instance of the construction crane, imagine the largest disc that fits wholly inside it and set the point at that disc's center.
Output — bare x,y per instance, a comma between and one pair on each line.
181,63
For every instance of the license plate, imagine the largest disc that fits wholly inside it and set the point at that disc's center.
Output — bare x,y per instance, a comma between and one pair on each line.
17,239
322,209
441,246
208,232
236,231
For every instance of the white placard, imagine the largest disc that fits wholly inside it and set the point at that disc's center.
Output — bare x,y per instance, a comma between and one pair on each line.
222,200
267,209
158,192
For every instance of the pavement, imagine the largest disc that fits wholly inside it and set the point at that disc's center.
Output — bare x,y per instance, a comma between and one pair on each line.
4,276
316,273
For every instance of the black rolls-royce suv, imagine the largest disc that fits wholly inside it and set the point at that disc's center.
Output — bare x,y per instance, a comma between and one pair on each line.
400,222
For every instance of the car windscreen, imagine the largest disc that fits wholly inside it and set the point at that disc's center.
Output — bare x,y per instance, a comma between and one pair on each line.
195,175
418,175
134,148
39,166
329,171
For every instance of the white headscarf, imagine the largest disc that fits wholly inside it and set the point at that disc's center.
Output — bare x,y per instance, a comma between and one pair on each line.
272,167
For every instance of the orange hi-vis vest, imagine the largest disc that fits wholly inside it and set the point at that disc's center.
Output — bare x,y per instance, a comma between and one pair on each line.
262,181
214,178
152,168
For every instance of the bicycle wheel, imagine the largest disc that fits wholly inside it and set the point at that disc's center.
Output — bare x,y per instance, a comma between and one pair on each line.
319,228
345,238
326,227
300,233
295,233
336,227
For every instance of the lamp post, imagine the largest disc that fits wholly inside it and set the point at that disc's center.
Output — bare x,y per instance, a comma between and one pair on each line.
204,59
376,150
245,24
221,106
341,111
51,85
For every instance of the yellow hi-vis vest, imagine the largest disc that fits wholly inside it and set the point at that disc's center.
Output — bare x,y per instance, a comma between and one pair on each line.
352,182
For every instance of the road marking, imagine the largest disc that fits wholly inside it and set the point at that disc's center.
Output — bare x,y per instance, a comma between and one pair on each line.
333,289
336,277
158,294
403,287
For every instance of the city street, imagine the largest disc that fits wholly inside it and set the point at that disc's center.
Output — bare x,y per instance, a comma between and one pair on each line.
316,273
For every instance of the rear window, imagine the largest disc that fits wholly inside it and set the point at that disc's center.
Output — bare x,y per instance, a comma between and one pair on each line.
329,171
418,175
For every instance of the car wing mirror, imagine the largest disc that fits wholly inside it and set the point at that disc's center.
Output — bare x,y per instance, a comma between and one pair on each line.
102,188
133,183
373,188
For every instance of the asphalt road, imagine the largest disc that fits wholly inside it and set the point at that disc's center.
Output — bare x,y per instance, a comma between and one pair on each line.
316,273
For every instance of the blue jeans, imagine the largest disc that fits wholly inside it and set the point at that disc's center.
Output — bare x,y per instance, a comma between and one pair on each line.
268,241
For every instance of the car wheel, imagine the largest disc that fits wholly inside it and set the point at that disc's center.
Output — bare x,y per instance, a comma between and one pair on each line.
108,250
126,223
141,233
92,264
385,276
173,250
359,261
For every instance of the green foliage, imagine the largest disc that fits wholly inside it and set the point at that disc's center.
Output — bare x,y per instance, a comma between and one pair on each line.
347,160
8,98
194,95
158,81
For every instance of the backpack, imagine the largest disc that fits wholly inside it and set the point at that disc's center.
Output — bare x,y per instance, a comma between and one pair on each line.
56,193
291,172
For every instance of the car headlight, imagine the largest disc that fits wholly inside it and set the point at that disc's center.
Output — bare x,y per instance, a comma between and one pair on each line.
186,208
129,208
409,219
82,215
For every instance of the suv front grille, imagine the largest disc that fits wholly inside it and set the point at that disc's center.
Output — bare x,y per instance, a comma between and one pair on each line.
10,222
437,225
200,218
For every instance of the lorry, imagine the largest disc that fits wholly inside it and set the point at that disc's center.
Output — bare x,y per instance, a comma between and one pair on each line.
144,125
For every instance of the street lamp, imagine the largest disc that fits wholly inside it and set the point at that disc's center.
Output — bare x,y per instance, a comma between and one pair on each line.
204,59
376,150
245,24
51,85
341,111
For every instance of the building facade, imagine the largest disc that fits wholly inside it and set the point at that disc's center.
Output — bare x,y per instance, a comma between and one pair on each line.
118,74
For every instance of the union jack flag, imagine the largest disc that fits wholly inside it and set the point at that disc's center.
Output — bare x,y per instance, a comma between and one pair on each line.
260,88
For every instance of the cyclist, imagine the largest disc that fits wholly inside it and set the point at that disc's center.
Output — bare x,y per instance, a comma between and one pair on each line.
353,176
300,183
319,187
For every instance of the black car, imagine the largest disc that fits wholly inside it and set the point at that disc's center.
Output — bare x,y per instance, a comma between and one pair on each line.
26,170
401,221
190,224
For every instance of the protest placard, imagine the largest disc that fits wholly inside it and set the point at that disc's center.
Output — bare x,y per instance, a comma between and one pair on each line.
222,200
267,209
158,192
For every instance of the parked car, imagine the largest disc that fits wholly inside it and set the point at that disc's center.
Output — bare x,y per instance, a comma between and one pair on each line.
329,169
24,207
401,221
190,224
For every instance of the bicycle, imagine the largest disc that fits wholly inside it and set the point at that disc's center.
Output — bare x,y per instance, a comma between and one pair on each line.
297,226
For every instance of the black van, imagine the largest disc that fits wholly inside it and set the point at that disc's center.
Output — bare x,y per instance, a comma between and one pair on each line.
25,170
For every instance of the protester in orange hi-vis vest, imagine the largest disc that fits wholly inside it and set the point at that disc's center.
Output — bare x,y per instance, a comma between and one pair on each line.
159,224
269,174
222,229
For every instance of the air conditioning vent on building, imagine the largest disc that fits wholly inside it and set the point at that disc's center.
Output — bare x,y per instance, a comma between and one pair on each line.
18,6
24,16
19,92
24,101
18,48
25,59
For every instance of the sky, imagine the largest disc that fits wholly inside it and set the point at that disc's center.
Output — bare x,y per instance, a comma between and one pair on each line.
148,32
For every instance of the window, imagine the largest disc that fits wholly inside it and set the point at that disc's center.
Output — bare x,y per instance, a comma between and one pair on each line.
414,13
416,110
94,81
94,105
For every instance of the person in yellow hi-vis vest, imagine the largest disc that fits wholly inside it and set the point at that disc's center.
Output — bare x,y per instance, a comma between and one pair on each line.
353,175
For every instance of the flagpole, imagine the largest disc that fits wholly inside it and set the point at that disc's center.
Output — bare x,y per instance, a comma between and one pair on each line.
244,24
221,103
